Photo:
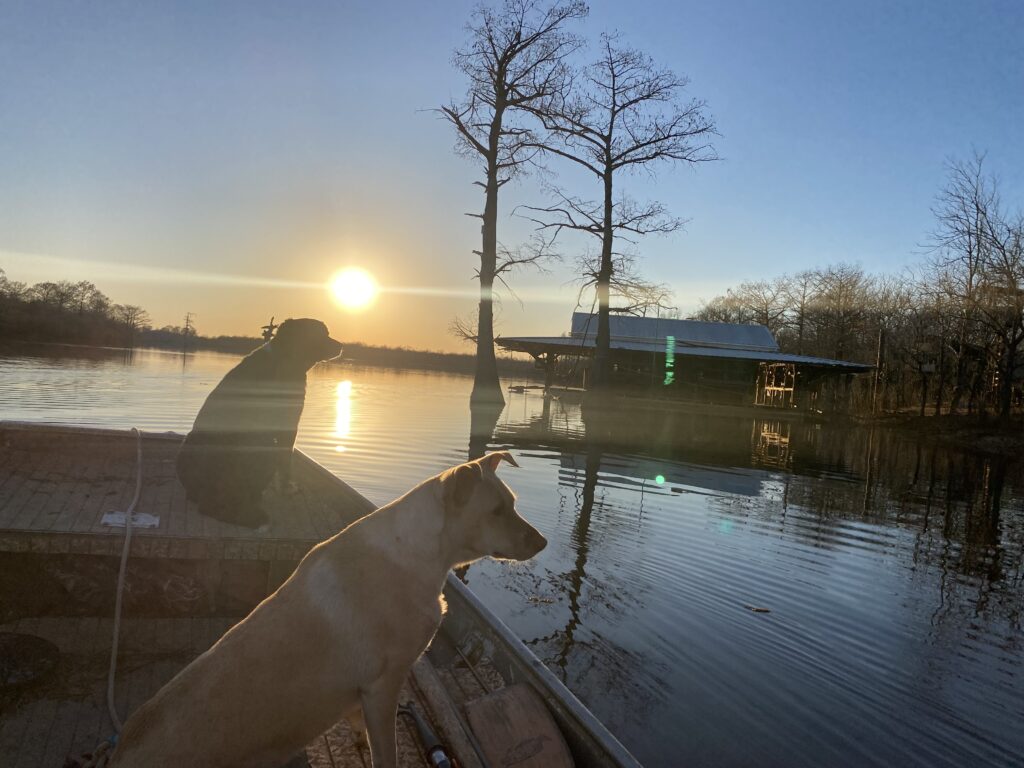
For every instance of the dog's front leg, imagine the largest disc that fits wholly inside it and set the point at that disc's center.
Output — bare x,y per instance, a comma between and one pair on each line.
380,708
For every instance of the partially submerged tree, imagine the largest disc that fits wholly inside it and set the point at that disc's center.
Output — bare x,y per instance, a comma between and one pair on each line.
515,60
622,114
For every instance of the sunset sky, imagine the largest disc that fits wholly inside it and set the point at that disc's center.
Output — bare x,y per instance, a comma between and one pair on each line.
227,158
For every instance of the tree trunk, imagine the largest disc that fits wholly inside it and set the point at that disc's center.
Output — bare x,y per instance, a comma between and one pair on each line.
1006,381
942,379
486,386
602,353
960,377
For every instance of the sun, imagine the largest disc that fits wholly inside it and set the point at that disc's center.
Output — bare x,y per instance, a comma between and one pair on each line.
353,288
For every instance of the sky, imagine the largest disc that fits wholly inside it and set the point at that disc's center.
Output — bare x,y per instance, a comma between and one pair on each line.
225,159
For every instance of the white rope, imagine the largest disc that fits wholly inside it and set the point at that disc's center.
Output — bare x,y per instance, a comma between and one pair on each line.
120,582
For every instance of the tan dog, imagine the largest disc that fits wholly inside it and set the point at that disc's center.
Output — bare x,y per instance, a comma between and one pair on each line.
341,633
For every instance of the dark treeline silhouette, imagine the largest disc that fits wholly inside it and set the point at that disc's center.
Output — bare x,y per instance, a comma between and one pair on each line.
67,312
79,313
948,335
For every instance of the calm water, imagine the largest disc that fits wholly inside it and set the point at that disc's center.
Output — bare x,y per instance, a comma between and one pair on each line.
892,570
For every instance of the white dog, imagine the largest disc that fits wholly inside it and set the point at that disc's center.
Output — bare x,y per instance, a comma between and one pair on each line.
341,633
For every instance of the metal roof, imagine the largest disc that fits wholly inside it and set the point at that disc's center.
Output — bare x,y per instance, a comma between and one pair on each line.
585,345
687,333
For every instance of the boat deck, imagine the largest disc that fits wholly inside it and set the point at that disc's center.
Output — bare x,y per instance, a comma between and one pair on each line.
66,714
193,578
56,485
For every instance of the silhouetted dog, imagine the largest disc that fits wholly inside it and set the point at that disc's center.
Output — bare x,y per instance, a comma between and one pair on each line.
245,431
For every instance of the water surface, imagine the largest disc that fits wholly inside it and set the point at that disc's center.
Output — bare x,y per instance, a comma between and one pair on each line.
891,570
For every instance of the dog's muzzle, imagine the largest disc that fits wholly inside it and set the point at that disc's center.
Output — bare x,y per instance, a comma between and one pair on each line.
332,350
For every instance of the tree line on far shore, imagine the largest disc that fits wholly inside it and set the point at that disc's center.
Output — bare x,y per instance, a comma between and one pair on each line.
68,312
948,335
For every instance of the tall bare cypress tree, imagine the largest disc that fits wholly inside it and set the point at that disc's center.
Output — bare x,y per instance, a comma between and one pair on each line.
514,61
622,114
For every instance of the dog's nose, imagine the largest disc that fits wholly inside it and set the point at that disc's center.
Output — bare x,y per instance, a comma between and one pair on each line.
535,541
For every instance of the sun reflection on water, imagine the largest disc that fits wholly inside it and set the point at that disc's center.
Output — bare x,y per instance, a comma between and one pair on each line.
343,413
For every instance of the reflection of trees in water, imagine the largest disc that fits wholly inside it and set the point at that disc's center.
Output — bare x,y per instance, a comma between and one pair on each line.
620,685
584,659
953,520
564,639
483,417
950,502
70,355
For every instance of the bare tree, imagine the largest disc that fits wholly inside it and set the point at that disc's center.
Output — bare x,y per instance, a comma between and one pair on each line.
843,294
133,318
721,309
958,245
623,114
641,297
515,60
59,295
12,289
629,292
86,297
765,302
999,300
798,292
463,328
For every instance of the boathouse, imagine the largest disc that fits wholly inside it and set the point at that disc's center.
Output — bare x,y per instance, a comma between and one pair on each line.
720,363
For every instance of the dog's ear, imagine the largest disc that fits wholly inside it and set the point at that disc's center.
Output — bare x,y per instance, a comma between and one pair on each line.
460,482
492,460
285,329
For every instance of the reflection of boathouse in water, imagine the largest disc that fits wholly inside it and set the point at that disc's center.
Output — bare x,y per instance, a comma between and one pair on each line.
720,363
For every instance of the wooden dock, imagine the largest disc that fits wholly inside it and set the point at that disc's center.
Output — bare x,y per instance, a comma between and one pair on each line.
189,580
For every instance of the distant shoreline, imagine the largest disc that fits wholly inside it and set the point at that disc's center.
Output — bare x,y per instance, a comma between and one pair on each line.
396,358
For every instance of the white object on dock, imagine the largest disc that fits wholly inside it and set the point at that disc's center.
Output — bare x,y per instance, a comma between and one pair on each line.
139,520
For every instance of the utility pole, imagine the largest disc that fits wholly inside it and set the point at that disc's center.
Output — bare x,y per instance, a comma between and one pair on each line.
186,331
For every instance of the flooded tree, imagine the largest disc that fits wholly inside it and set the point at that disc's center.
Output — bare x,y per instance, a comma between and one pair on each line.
514,61
621,114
